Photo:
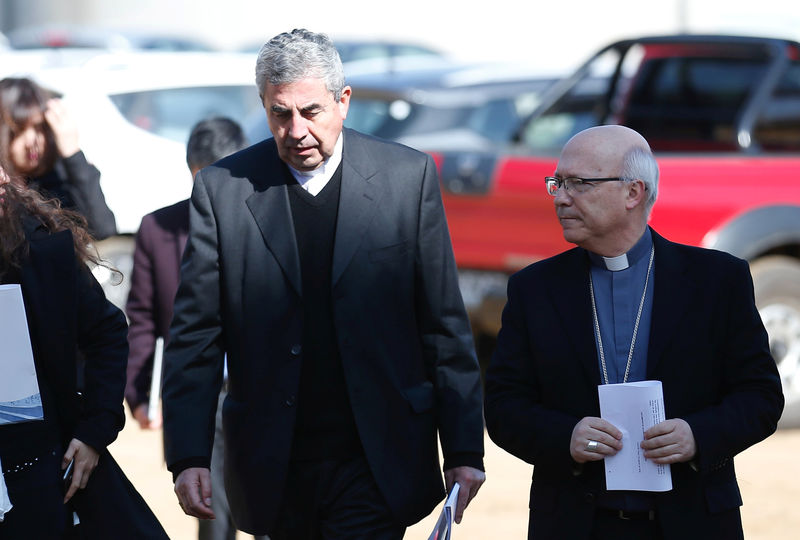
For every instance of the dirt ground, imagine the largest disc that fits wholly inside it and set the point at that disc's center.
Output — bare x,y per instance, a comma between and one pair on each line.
767,473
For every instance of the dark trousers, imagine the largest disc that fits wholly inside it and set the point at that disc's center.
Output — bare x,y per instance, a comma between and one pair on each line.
222,527
334,500
37,495
609,526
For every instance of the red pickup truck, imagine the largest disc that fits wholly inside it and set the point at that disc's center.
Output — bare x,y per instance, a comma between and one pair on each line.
723,116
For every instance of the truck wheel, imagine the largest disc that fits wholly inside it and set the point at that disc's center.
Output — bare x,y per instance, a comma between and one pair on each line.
117,251
776,281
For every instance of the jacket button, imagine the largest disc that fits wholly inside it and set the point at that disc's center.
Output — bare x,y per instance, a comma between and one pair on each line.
289,401
588,497
296,350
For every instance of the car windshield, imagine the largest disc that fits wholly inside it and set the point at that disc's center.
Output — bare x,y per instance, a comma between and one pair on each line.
391,119
171,112
681,97
494,117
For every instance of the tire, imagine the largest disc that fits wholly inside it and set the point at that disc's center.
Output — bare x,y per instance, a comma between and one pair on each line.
776,281
117,251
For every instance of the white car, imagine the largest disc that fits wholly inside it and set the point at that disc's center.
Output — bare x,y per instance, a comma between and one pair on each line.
134,113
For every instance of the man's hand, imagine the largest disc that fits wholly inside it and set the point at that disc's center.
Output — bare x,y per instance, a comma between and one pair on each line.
140,413
85,460
64,127
591,428
193,488
470,481
671,441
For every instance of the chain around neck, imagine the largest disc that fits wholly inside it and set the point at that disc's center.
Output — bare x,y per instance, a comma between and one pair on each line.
635,326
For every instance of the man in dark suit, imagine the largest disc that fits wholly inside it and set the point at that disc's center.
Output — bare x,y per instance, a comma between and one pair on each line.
320,262
154,281
628,305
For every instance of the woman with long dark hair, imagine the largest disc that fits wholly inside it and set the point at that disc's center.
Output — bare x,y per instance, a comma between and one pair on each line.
39,143
46,249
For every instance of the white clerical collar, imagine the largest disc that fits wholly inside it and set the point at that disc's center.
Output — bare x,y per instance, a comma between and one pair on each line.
314,181
615,264
639,251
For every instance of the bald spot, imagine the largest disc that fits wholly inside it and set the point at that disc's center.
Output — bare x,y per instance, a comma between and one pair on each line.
608,145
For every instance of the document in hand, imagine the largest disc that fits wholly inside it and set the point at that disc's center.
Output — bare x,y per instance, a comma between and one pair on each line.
634,408
441,531
155,381
20,400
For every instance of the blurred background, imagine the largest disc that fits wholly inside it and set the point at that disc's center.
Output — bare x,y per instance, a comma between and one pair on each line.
553,36
454,78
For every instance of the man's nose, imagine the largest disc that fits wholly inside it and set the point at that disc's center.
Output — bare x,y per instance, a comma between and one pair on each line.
298,127
562,197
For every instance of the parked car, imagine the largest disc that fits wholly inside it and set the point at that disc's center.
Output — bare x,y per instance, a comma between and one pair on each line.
134,113
722,114
466,106
101,37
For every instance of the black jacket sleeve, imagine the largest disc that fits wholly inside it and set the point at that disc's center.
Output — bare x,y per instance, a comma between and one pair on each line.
82,181
102,339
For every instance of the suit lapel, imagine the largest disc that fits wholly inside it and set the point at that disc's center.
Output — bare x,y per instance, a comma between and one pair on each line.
672,295
570,295
270,208
357,202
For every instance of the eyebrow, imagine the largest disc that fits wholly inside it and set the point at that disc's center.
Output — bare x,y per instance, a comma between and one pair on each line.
308,108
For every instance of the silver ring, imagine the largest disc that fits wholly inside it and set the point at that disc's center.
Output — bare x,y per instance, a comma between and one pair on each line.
591,446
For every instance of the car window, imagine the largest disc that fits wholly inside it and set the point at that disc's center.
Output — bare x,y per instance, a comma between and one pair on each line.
691,103
412,50
778,126
364,51
579,108
392,119
371,115
499,119
681,97
172,112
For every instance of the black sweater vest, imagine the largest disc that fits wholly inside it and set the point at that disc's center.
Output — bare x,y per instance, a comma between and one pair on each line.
325,427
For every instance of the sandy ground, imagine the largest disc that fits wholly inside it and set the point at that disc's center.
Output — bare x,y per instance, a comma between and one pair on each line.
768,477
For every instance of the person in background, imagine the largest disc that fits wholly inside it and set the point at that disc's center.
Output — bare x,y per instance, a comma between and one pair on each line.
39,143
45,249
156,267
320,263
627,305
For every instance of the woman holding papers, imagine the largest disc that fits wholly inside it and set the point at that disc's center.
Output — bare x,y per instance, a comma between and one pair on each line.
45,461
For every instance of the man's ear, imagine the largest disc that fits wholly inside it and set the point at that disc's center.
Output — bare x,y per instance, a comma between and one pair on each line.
344,101
637,194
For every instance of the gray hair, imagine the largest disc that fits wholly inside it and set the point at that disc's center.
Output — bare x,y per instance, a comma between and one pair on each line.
296,55
639,164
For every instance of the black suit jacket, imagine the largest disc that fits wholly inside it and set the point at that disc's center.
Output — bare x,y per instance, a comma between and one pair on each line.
707,346
154,282
403,334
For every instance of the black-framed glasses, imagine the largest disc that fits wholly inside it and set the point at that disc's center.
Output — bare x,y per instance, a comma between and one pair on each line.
573,183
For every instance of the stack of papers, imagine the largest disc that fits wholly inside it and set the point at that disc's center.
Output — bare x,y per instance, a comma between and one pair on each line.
441,531
20,400
634,408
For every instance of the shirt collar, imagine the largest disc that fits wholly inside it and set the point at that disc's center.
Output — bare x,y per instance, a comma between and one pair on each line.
640,250
314,181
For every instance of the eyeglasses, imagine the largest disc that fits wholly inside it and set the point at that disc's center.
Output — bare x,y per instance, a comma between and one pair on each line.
573,183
